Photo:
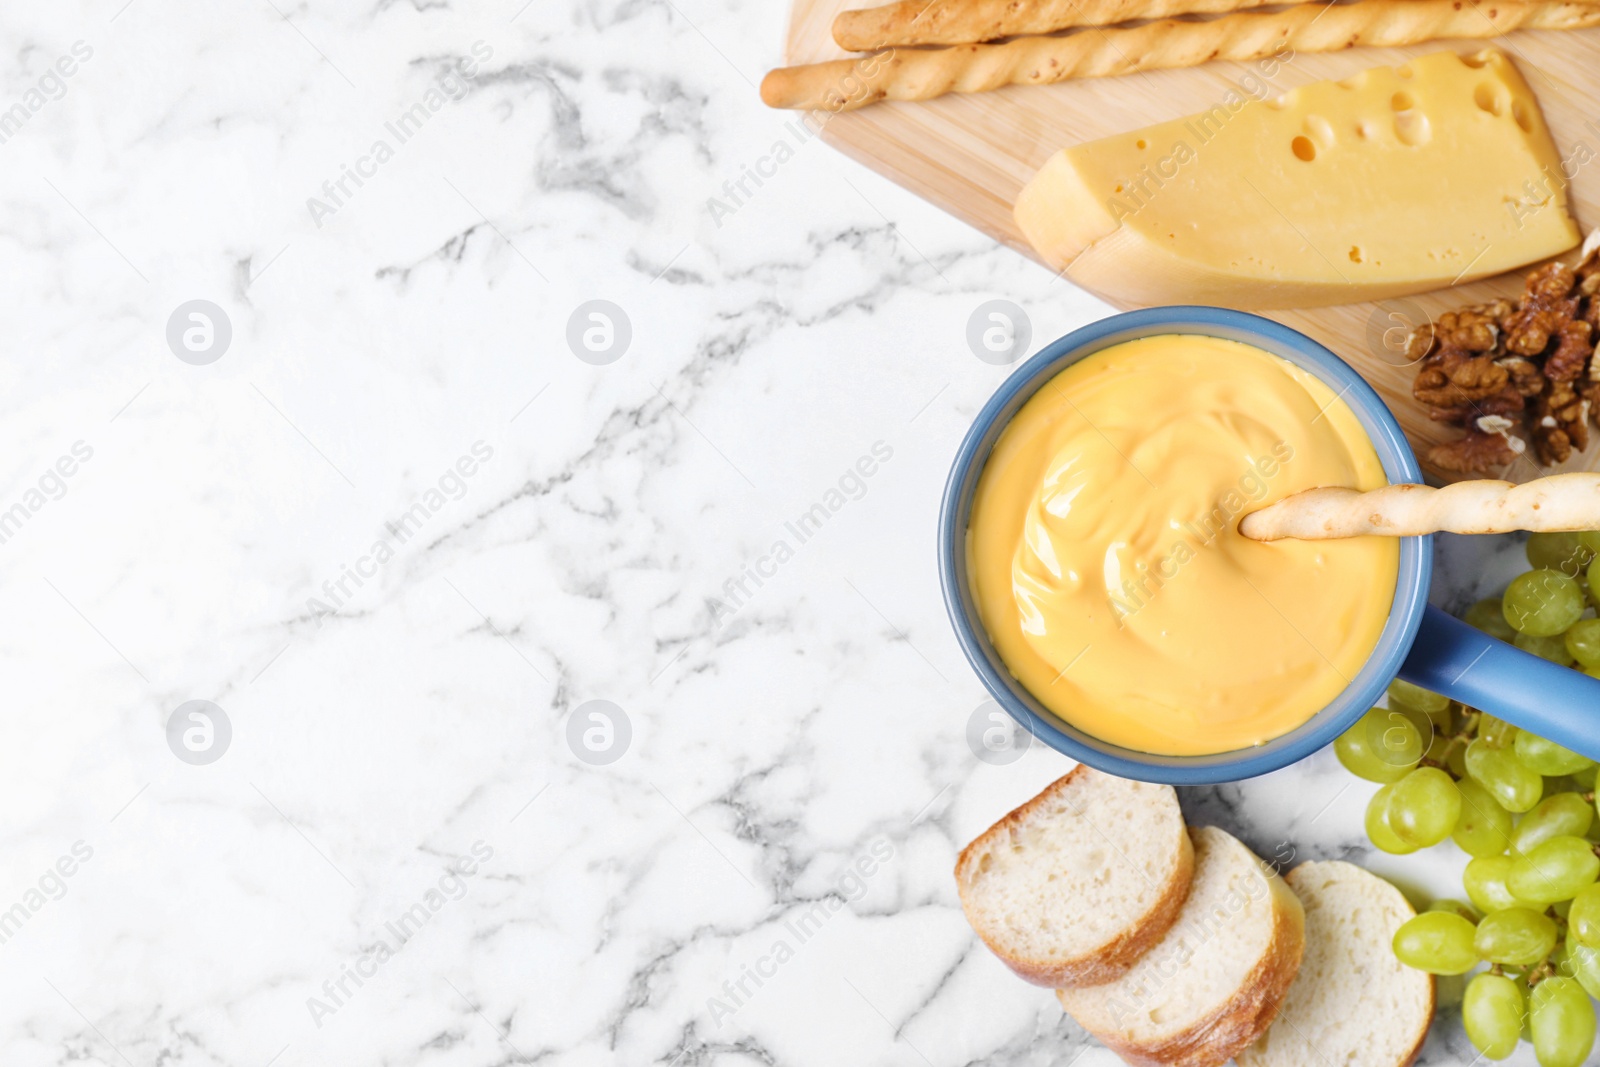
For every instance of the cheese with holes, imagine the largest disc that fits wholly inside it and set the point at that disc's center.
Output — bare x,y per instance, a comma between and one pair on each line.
1398,180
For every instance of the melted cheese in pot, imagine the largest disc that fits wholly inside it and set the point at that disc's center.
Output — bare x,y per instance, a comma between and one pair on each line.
1106,563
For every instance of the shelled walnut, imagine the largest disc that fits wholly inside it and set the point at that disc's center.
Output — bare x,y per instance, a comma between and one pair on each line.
1478,452
1529,365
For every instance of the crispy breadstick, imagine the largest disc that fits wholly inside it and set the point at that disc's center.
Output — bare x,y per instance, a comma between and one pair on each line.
920,74
912,22
1544,505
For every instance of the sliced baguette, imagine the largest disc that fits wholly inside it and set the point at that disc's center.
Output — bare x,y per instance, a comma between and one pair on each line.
1353,1004
1216,980
1078,883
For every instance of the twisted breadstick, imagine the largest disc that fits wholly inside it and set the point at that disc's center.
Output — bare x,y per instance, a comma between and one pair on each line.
906,74
912,22
1544,505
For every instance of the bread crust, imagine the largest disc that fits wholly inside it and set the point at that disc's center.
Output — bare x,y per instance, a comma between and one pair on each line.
1421,1036
1114,958
1215,1039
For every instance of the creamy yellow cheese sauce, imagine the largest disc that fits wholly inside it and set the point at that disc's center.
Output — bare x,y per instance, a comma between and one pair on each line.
1107,566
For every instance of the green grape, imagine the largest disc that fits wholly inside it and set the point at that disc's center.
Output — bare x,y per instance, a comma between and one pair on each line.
1543,603
1414,696
1583,642
1553,649
1492,1012
1554,870
1513,786
1456,907
1495,733
1490,617
1439,942
1592,575
1567,783
1457,762
1484,828
1583,920
1423,807
1564,552
1589,539
1485,882
1583,963
1382,746
1400,734
1547,757
1562,1020
1560,960
1520,937
1562,813
1377,824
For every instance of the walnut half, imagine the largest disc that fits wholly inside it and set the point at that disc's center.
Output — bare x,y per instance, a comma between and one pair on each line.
1452,378
1560,422
1475,329
1477,452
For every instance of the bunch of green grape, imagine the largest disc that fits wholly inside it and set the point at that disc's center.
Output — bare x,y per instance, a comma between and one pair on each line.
1522,807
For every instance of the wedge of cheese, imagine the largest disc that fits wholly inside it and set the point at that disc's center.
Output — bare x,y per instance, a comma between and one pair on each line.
1398,180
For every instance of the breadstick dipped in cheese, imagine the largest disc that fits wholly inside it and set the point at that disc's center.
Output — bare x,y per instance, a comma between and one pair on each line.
921,74
914,22
1546,505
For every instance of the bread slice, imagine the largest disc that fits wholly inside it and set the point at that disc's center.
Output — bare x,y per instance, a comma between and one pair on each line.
1215,982
1075,885
1353,1003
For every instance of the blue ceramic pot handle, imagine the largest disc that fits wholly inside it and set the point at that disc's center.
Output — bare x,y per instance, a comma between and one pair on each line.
1466,664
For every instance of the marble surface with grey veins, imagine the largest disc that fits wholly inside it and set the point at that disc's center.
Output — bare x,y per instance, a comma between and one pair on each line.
466,551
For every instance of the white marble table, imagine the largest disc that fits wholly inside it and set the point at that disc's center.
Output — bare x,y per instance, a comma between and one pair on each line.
374,507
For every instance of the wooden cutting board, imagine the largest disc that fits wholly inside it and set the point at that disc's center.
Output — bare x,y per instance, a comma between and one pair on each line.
971,154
